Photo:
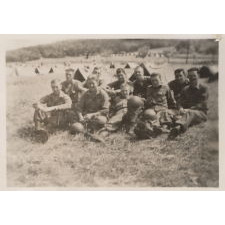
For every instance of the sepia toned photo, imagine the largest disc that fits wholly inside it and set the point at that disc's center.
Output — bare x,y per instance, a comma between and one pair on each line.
112,112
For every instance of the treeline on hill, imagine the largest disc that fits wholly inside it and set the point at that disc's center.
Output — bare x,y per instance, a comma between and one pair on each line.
107,47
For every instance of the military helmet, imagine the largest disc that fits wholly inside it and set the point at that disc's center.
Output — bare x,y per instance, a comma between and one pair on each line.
101,120
135,102
76,128
149,114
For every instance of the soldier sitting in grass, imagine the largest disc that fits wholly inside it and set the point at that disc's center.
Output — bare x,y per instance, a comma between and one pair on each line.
93,107
192,105
160,99
121,80
178,83
141,83
52,110
156,117
117,110
73,88
135,106
148,125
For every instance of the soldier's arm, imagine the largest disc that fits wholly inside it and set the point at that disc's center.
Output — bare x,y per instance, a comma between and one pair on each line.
149,100
44,99
80,107
203,101
41,104
66,105
181,100
80,87
170,99
105,104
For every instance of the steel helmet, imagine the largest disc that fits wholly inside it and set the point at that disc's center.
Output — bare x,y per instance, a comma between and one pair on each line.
76,128
149,114
101,120
135,102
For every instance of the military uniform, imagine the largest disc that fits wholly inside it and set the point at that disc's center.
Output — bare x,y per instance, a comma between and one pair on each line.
116,114
56,118
93,103
115,85
176,87
130,119
74,89
161,99
140,87
194,101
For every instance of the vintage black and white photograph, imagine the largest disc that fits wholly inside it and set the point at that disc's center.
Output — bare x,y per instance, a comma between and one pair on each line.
115,112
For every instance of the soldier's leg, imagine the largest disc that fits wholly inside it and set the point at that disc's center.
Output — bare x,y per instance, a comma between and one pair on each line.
115,121
40,119
130,119
189,118
96,123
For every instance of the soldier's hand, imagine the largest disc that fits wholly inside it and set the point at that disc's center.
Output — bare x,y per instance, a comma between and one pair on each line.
181,111
88,116
81,119
48,109
35,106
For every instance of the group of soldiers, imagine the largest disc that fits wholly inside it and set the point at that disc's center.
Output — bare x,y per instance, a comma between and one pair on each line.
143,108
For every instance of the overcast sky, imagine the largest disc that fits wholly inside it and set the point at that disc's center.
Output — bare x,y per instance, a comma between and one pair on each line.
19,41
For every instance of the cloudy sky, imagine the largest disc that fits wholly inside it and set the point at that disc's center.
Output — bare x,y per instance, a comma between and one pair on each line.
18,41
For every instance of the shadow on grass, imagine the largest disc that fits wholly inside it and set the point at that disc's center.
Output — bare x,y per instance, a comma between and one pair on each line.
27,133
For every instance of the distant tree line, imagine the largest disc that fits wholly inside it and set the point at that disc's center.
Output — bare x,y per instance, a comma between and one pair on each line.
106,47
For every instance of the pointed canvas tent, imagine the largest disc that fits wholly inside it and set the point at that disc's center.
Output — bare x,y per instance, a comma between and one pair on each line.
112,66
80,75
51,70
36,71
146,71
130,65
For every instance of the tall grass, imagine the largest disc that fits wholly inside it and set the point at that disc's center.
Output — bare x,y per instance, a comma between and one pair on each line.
72,161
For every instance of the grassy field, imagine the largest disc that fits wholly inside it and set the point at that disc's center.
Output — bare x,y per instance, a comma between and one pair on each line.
71,161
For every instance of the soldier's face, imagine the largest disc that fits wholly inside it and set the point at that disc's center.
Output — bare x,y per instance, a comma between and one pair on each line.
95,71
139,72
125,93
155,81
69,76
121,77
193,78
56,88
92,85
180,77
139,77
